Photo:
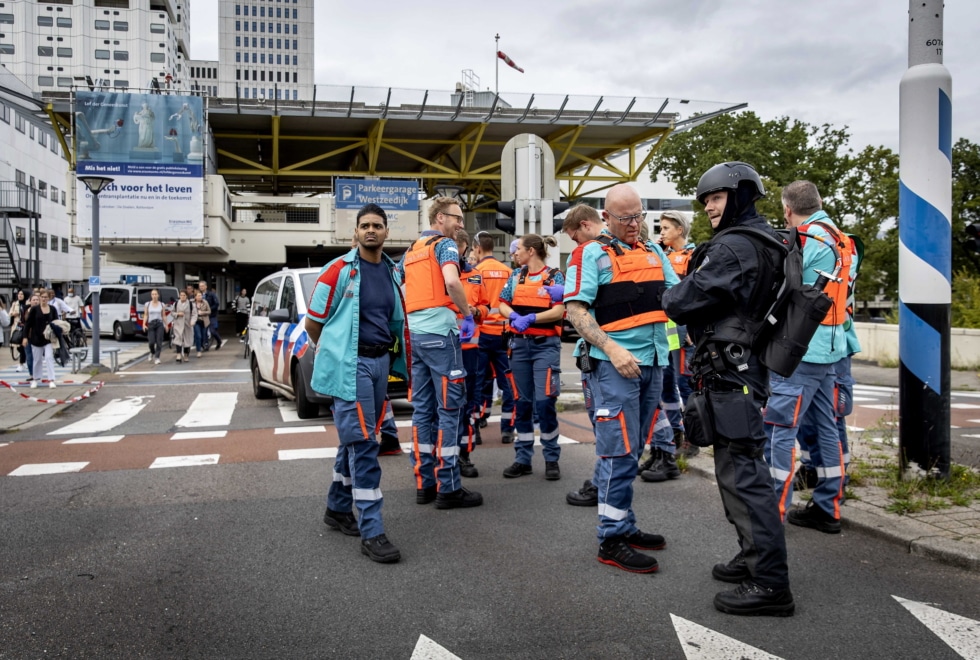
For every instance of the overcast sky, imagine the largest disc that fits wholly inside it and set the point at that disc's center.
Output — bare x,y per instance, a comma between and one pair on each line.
821,61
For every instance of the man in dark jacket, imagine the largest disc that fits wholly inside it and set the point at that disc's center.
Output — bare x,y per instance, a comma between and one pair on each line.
731,283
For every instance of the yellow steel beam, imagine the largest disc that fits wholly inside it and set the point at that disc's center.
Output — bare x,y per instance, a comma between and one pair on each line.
258,167
375,138
568,147
354,145
58,122
424,161
473,148
275,144
330,173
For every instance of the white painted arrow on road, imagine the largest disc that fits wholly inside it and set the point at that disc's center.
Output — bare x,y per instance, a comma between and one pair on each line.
426,649
961,634
700,643
108,417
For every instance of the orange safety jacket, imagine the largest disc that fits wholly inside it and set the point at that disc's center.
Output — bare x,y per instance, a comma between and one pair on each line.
533,298
632,298
838,291
479,302
495,275
679,260
425,286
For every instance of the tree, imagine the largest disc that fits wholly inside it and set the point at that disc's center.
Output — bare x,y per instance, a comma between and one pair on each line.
966,201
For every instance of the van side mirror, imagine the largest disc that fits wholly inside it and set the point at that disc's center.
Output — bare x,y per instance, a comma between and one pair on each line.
280,316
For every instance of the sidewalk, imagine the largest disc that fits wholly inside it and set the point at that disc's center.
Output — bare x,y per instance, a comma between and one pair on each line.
24,407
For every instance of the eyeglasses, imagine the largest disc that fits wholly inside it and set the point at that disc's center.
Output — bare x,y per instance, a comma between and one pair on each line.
452,215
629,219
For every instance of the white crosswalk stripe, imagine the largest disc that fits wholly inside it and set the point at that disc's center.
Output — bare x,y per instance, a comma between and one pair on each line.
108,417
959,633
210,409
700,643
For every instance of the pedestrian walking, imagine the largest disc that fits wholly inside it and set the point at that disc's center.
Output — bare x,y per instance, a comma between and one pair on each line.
18,310
155,315
202,319
352,364
38,320
182,330
242,307
211,298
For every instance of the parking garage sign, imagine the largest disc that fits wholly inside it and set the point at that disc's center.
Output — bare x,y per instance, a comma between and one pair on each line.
389,194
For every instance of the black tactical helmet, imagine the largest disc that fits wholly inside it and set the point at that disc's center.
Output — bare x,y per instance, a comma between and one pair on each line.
729,176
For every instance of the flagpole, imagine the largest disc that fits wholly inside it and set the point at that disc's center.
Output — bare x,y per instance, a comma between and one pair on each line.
496,59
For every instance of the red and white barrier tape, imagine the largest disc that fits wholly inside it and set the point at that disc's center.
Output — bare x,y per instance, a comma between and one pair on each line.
97,385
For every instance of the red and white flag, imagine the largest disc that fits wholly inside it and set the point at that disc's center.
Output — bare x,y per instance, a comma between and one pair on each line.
511,63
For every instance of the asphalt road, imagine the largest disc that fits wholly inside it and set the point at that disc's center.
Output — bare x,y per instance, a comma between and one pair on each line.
232,560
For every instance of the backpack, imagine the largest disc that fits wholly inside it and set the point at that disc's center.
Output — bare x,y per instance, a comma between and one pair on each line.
796,313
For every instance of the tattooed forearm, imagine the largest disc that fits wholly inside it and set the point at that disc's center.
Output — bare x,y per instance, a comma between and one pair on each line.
586,326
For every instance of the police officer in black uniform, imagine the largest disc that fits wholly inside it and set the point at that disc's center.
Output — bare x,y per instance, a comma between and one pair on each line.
732,280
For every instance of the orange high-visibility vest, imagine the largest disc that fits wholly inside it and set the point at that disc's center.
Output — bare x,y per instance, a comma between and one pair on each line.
477,299
425,287
495,275
679,260
632,298
837,291
533,298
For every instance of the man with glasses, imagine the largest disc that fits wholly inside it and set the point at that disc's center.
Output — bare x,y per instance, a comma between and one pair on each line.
494,363
430,270
612,295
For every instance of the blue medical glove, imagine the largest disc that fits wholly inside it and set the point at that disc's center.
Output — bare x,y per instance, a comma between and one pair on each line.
514,316
557,292
467,328
522,323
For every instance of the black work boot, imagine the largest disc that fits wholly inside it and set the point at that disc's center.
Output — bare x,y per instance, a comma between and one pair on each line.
425,495
670,465
345,523
648,462
389,446
458,499
664,467
751,599
380,549
645,541
466,467
617,552
735,571
506,437
815,517
551,471
517,470
587,495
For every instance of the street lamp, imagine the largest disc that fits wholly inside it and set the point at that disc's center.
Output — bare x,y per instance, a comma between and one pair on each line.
95,185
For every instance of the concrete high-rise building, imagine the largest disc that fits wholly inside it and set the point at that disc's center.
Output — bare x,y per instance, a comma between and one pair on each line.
266,49
52,45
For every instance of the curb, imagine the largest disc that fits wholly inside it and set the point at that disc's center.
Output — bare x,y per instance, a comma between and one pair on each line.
917,538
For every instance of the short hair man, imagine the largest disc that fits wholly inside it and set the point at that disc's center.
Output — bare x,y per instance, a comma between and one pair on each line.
430,269
582,223
242,306
212,300
730,285
352,366
629,349
809,391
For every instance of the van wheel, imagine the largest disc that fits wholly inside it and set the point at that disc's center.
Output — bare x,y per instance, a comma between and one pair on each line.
305,408
258,390
117,332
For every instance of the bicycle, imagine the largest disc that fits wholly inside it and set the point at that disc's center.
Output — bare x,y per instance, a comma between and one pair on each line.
76,338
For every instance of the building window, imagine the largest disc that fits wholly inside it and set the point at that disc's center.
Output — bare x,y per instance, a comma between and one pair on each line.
42,189
254,10
255,58
261,26
254,41
19,236
238,74
262,75
7,18
294,13
294,32
158,28
120,26
64,81
6,49
45,51
102,25
238,10
101,54
295,45
64,21
278,59
45,21
63,199
42,138
64,241
42,240
158,57
120,55
262,58
238,26
295,93
262,42
64,52
54,194
246,91
4,113
238,41
120,84
294,76
287,44
294,60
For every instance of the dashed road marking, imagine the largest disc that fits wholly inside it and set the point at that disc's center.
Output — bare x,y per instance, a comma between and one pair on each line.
94,440
185,461
35,469
198,435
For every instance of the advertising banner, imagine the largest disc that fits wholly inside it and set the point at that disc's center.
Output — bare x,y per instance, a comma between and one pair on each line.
151,145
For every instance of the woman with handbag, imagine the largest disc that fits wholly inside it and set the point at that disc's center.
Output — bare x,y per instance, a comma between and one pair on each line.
36,332
18,308
182,331
201,323
154,315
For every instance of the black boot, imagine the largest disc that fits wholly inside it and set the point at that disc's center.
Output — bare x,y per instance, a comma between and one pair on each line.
751,599
735,571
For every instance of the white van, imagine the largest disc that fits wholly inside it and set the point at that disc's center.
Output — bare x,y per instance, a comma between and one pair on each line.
281,356
121,308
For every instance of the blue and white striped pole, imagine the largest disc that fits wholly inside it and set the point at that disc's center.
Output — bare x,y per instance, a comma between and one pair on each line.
924,253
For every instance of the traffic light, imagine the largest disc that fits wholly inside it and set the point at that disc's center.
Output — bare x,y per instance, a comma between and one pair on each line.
506,217
557,208
973,237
